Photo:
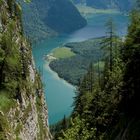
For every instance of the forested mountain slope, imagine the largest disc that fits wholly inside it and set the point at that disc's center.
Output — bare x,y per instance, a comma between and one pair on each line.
33,25
23,112
106,104
85,53
50,17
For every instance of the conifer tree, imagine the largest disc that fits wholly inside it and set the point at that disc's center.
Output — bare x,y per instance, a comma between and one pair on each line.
90,78
64,123
109,41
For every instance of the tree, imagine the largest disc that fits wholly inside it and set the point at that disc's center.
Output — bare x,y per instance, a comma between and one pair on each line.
90,78
64,123
109,41
78,108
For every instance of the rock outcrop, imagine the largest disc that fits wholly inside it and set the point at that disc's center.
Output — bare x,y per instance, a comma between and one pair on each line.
23,111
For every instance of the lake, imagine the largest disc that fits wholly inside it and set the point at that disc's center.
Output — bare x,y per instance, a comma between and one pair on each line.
59,94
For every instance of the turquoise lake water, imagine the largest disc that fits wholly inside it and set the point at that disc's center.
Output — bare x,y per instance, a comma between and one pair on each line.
59,94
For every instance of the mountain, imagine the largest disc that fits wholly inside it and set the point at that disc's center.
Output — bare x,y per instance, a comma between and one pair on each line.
106,103
124,5
50,17
23,111
66,19
34,27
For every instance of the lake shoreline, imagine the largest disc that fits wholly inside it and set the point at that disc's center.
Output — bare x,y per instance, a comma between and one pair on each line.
57,76
50,58
59,92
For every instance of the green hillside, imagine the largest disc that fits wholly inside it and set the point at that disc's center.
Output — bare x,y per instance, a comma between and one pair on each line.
43,19
106,104
62,52
73,68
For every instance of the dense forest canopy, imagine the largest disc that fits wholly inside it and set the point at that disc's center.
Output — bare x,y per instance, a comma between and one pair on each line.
106,104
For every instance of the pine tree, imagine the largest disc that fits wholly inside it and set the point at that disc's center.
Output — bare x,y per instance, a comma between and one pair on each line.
64,123
90,78
109,41
78,108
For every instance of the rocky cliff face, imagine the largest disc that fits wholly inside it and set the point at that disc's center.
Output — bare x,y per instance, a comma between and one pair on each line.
23,112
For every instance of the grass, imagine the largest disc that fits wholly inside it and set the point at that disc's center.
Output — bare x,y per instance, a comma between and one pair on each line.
86,10
62,52
4,127
5,102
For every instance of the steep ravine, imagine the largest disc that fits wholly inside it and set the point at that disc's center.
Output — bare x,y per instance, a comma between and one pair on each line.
23,111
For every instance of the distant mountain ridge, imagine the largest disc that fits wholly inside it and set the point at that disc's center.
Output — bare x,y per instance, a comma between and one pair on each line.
44,18
122,5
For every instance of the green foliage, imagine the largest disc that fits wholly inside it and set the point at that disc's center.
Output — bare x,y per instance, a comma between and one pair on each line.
10,69
4,17
43,131
110,108
18,129
5,101
15,82
58,128
2,54
10,5
131,58
109,42
62,52
4,127
75,67
97,107
28,1
76,133
1,2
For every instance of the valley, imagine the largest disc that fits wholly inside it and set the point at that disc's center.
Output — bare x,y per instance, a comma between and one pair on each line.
69,69
55,87
74,67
